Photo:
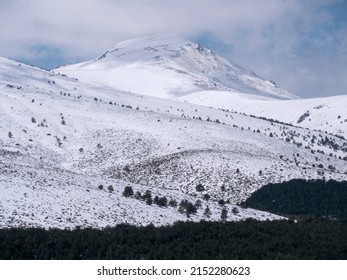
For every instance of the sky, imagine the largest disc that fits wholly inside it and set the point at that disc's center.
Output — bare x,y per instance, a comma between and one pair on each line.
299,44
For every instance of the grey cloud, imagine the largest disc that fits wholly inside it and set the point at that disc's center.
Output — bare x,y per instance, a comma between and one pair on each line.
266,36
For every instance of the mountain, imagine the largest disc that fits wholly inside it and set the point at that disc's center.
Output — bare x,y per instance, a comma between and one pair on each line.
168,66
69,148
325,114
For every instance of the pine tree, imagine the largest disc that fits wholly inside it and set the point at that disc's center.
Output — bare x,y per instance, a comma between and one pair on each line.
138,195
186,207
200,188
235,210
148,197
224,214
128,191
198,204
149,200
173,203
162,201
207,212
147,194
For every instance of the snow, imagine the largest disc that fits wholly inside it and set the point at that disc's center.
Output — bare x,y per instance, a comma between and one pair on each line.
325,113
167,66
87,134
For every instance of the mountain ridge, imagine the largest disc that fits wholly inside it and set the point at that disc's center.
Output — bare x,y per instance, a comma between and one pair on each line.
168,66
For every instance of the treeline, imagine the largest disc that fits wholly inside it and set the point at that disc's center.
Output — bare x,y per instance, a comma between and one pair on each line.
310,239
300,197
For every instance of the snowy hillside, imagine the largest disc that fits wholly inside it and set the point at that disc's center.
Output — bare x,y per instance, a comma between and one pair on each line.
325,114
167,66
63,143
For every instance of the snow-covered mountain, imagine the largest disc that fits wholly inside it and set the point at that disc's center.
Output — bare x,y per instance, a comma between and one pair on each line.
64,142
326,113
168,66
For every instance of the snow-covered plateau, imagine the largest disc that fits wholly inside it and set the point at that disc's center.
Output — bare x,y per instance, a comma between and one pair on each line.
168,119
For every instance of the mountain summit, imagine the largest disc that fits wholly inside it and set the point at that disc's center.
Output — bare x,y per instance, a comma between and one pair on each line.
168,66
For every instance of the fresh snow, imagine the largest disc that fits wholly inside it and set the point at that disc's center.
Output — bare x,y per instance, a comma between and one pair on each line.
61,138
168,66
325,113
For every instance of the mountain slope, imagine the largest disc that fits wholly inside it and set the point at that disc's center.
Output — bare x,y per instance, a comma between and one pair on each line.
60,139
325,113
167,66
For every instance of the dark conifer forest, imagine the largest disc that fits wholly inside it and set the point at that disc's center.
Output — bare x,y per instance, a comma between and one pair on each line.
301,197
317,229
308,239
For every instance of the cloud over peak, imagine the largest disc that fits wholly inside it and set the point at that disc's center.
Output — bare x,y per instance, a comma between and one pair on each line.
292,41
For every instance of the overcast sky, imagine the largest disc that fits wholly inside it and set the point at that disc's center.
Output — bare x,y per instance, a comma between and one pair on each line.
300,44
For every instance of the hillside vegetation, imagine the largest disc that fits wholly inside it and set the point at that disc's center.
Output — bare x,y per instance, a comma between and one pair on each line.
302,197
250,239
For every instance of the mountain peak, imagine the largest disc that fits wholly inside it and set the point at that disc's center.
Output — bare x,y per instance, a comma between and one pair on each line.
150,46
154,41
168,66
